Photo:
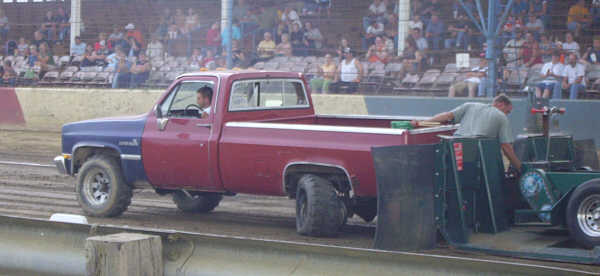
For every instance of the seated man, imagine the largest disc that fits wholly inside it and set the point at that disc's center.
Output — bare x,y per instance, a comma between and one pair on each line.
140,71
204,99
475,79
552,72
574,74
266,48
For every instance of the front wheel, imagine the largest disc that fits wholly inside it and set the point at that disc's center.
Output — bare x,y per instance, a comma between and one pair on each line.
196,202
583,214
101,188
319,211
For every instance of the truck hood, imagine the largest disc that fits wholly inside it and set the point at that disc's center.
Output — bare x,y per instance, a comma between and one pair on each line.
121,133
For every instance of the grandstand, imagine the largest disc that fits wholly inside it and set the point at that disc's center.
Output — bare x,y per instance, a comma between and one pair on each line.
177,36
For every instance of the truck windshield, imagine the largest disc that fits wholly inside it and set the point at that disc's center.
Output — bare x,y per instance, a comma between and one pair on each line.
267,94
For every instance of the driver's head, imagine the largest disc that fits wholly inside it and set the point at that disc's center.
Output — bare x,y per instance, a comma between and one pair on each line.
204,96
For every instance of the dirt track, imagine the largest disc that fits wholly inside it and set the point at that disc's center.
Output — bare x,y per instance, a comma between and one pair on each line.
39,192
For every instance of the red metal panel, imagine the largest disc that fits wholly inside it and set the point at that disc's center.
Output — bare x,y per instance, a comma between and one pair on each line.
10,108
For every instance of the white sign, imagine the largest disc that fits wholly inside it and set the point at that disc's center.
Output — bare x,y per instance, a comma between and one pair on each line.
462,60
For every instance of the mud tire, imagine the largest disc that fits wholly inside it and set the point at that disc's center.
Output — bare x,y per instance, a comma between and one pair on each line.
200,203
118,194
319,211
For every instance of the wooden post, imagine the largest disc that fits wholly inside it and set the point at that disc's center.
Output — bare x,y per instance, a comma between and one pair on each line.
124,254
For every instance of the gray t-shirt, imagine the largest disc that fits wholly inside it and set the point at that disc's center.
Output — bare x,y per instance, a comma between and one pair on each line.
477,119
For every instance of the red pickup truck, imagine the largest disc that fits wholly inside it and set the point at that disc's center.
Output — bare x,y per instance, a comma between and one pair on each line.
257,134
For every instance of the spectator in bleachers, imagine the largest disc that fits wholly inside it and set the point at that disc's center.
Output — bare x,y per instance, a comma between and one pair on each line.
266,48
191,21
415,22
282,28
22,47
285,47
163,27
349,73
88,58
134,47
420,41
342,46
416,64
325,75
530,51
570,45
112,60
535,26
102,40
267,19
140,71
209,60
435,32
99,55
520,8
595,14
512,49
290,17
378,52
179,19
78,47
9,76
38,39
459,32
133,32
196,59
213,37
236,33
155,48
48,27
119,62
579,17
324,5
299,43
116,37
4,26
546,48
240,57
375,29
32,58
45,59
63,26
574,77
314,38
475,80
592,54
172,37
377,12
540,9
552,72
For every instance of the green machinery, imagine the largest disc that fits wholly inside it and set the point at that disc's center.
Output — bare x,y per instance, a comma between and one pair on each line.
476,205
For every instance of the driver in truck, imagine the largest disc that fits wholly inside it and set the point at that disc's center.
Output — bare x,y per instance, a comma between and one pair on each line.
478,119
204,98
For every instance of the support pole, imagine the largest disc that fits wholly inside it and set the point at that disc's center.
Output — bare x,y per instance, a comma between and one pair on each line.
490,53
403,18
226,22
75,21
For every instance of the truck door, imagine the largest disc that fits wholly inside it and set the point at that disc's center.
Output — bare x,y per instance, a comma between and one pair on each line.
176,146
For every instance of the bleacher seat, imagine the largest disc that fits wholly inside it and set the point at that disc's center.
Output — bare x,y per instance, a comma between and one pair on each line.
517,78
71,69
76,61
428,78
64,60
410,80
445,80
101,78
49,78
450,68
65,76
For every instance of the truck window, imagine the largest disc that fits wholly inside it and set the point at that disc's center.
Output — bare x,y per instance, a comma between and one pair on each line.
267,94
182,96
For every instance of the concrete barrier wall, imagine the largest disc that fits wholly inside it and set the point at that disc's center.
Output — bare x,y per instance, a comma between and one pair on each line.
47,109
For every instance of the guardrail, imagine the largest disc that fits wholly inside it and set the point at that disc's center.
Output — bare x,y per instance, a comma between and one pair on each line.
40,247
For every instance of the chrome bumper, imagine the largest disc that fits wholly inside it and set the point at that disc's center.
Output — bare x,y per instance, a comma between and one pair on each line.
59,161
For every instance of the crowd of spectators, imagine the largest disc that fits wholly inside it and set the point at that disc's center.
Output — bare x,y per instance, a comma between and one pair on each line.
436,30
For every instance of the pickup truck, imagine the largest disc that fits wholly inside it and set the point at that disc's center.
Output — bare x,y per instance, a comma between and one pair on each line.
259,135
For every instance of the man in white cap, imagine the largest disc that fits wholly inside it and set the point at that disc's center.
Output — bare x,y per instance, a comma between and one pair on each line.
132,32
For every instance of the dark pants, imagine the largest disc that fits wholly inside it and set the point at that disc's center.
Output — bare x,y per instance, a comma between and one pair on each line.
137,79
342,87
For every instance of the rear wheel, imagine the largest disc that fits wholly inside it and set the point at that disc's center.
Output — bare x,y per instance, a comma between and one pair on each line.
583,214
319,211
196,202
101,188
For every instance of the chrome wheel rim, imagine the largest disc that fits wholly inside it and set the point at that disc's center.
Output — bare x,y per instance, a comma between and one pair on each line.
97,187
588,216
